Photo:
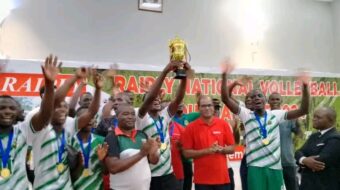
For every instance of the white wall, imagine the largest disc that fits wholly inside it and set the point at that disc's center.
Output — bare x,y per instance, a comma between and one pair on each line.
336,20
299,34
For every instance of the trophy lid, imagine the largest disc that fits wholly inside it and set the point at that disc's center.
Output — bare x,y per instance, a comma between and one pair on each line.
176,40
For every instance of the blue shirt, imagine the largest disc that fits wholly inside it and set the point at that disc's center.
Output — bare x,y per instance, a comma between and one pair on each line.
287,147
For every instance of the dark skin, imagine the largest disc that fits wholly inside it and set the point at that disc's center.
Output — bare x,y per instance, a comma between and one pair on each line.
86,117
323,118
153,97
206,108
126,120
114,102
75,97
259,100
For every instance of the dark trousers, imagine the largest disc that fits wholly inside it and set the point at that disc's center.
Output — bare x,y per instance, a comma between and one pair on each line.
290,179
212,187
166,182
231,177
187,167
244,173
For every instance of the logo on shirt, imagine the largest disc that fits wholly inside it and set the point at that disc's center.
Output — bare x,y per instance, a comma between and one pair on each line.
216,132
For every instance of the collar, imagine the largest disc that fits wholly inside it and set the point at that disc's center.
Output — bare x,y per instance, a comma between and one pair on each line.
119,132
325,130
202,122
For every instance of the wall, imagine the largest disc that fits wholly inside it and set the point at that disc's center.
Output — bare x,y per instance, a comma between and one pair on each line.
298,34
336,21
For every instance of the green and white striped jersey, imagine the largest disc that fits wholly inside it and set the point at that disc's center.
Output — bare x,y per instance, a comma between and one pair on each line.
259,154
45,155
16,163
148,126
95,180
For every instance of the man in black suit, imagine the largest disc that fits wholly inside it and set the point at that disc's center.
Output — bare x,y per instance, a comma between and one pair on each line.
319,157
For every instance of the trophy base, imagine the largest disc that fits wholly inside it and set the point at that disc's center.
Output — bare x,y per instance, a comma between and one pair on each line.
180,74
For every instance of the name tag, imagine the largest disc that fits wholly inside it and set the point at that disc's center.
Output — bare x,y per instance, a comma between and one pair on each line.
321,144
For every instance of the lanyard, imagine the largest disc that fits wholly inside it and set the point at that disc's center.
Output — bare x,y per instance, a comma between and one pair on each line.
61,147
86,153
159,128
6,152
262,126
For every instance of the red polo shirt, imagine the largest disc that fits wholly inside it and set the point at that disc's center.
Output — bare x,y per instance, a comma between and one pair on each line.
210,169
175,131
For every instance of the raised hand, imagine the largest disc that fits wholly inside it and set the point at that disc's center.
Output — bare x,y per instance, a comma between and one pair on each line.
50,69
304,77
227,66
98,79
102,151
82,72
173,65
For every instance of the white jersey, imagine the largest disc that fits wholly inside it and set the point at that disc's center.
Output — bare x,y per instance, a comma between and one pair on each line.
148,125
45,150
17,160
259,154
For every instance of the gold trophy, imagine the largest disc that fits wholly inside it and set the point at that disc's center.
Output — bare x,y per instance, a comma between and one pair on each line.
179,52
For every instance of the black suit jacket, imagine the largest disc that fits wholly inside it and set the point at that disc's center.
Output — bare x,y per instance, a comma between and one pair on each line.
327,147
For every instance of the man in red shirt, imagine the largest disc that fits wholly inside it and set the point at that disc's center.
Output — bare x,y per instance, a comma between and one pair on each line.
207,140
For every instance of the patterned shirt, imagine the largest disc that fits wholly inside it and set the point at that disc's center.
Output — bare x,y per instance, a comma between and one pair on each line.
45,150
258,154
95,180
16,162
149,126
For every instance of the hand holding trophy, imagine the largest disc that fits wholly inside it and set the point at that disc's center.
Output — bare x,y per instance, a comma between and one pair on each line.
179,52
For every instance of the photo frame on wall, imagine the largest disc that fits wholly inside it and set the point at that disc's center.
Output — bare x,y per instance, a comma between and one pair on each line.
150,5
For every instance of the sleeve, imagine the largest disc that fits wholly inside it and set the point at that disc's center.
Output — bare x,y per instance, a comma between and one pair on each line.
186,138
280,115
193,116
244,114
71,125
112,141
330,152
229,137
302,152
166,114
140,122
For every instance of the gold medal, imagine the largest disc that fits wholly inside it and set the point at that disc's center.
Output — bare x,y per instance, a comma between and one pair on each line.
269,122
60,167
5,172
265,141
86,172
163,146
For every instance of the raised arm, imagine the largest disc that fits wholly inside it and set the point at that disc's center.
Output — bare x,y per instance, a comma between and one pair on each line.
173,106
304,107
87,116
60,94
225,96
50,71
154,89
73,102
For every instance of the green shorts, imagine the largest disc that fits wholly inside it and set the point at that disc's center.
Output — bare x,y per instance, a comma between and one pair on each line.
265,179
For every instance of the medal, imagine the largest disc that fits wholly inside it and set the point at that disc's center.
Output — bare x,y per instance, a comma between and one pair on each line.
5,156
86,172
163,146
265,141
5,173
60,167
269,122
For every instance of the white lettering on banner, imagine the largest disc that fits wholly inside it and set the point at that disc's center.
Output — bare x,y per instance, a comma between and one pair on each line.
9,82
27,85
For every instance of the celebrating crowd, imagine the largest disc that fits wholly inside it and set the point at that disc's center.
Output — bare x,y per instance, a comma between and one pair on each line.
62,145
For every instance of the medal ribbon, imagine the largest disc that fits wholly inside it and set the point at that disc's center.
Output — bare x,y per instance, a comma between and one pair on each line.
115,122
160,128
263,130
6,152
61,147
86,153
